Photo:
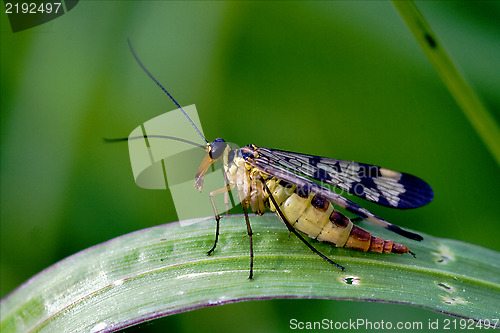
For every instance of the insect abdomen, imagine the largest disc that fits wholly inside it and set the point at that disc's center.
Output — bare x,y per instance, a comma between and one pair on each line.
316,217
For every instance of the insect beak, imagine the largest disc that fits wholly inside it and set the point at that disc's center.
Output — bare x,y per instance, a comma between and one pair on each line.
202,170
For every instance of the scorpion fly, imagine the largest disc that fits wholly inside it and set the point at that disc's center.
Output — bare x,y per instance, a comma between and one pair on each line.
293,186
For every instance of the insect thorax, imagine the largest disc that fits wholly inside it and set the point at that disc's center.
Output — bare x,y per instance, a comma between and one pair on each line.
237,172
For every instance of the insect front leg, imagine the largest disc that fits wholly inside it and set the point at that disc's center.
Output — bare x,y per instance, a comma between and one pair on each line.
225,189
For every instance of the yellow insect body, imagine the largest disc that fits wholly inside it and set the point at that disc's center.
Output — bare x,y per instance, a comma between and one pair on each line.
307,212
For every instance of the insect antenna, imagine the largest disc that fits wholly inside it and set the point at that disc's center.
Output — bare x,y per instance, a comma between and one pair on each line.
163,88
155,136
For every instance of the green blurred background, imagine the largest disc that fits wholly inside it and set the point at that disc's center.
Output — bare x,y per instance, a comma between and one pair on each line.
340,79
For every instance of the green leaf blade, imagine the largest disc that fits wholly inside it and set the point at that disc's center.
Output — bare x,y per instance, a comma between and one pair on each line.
165,270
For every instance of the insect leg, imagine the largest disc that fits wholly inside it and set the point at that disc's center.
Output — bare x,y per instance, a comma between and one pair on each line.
244,204
292,229
226,194
225,189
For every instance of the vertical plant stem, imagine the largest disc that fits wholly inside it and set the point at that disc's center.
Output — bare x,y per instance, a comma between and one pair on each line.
480,118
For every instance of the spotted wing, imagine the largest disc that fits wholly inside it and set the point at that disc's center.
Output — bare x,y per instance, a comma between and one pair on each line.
267,166
380,185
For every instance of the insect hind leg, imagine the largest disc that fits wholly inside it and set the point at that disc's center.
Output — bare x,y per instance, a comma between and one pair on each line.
292,229
225,189
245,205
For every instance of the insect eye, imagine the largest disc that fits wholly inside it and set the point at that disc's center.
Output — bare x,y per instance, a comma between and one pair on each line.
217,147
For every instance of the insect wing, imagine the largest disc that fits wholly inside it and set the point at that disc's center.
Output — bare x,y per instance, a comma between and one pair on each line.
380,185
268,166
